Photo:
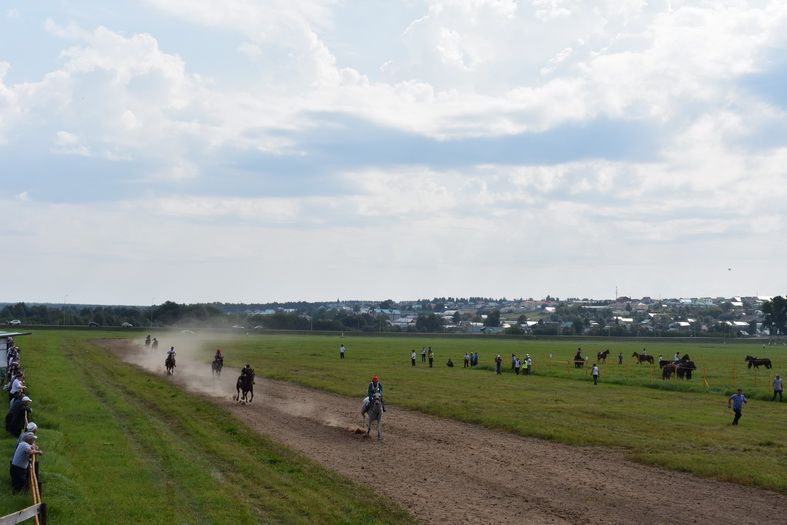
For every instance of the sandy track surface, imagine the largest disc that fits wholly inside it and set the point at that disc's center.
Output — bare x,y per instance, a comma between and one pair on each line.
450,472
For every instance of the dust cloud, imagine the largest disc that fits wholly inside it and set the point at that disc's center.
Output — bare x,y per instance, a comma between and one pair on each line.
193,372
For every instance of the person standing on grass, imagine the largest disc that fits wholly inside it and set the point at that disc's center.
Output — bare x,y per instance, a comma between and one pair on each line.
467,360
15,419
513,361
517,365
525,367
498,364
778,388
529,367
620,358
430,354
342,349
595,373
21,461
475,359
412,358
736,402
423,354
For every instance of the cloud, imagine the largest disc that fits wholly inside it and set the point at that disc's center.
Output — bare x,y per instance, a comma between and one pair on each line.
510,136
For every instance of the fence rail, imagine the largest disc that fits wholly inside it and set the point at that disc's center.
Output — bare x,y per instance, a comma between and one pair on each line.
37,511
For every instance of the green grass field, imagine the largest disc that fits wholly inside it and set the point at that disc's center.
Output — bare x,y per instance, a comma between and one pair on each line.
673,424
124,446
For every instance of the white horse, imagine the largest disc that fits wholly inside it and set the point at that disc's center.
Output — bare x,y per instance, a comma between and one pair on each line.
375,413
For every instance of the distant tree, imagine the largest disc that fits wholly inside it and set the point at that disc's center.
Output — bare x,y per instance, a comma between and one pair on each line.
387,304
775,314
522,319
492,318
456,317
428,323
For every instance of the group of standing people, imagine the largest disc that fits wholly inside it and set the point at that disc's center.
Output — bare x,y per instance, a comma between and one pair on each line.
17,421
471,359
426,354
524,365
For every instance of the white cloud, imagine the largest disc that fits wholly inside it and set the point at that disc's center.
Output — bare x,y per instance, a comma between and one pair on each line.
470,68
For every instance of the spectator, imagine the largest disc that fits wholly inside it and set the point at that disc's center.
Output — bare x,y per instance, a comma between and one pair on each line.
31,428
498,364
736,402
517,365
467,360
21,461
778,388
513,361
620,358
449,364
595,373
529,367
17,389
423,354
525,369
430,354
474,359
342,349
412,358
15,419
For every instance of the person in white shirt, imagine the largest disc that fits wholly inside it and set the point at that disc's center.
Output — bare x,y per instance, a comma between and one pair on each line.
595,374
412,358
341,351
778,388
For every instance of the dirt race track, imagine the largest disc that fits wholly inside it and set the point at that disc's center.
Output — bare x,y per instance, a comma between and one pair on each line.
449,472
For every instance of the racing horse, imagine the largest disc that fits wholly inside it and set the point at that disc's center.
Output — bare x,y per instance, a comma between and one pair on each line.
602,356
375,413
757,362
170,364
216,366
244,388
642,357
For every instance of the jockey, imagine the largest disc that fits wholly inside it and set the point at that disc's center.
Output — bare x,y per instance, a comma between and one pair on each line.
218,357
247,371
171,352
374,387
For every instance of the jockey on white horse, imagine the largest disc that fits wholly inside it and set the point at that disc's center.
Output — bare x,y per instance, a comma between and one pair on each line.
374,387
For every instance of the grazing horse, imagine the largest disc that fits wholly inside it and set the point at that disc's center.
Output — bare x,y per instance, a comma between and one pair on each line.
683,369
216,366
375,413
757,362
245,388
602,356
169,363
643,357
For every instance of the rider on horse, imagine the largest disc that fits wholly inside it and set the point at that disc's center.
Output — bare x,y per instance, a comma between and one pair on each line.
375,387
218,357
247,371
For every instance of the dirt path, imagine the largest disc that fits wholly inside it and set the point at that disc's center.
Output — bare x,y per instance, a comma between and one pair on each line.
449,472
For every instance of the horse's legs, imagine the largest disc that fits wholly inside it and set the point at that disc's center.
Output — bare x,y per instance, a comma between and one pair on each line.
379,424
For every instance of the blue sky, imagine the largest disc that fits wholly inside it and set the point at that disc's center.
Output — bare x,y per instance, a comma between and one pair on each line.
254,151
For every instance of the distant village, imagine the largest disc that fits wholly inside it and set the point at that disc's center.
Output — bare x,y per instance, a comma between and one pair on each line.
624,316
685,317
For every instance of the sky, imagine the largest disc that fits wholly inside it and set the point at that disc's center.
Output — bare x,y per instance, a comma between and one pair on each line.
253,151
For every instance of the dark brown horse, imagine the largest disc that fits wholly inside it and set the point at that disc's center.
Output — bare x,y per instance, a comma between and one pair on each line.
757,363
244,388
642,357
169,363
602,356
683,369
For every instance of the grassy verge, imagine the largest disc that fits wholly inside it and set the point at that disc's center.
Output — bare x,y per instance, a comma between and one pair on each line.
123,446
674,425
